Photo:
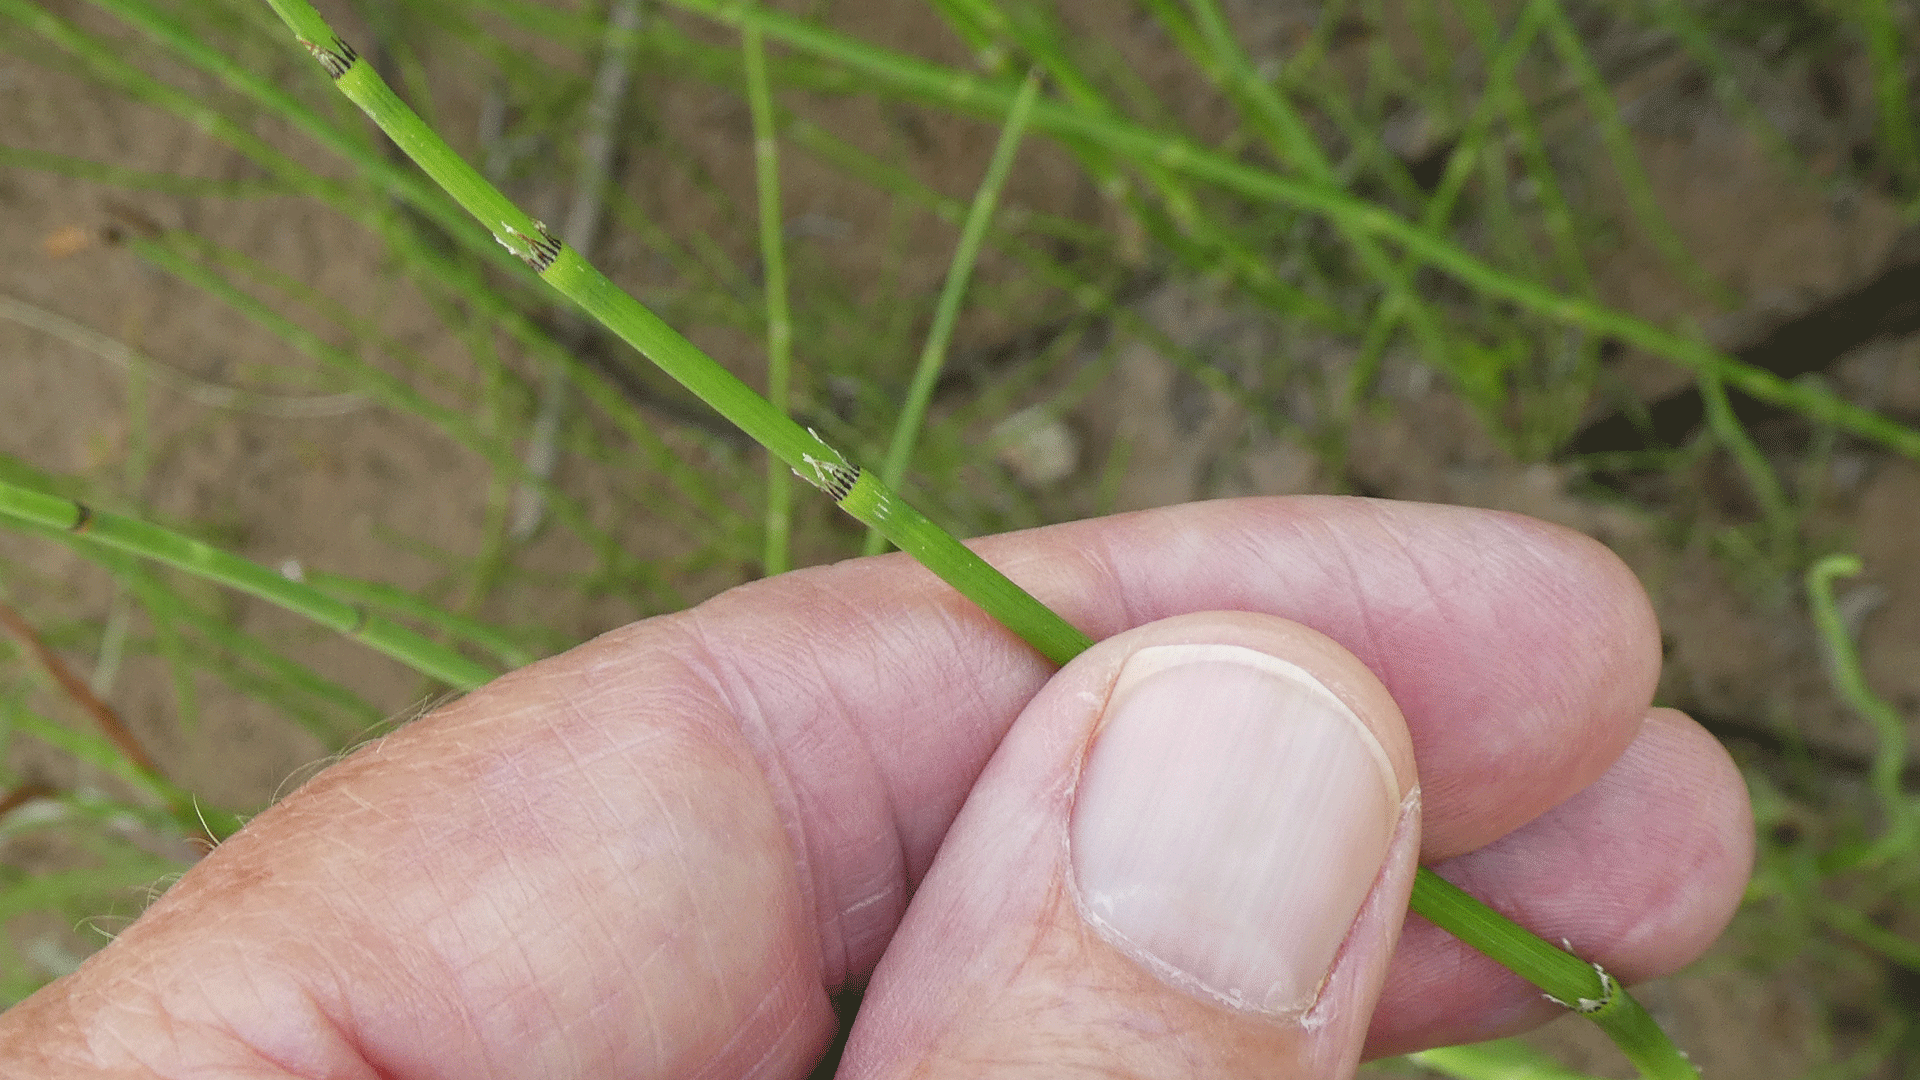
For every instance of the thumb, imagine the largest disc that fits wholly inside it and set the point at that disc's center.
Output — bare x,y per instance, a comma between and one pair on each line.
1189,857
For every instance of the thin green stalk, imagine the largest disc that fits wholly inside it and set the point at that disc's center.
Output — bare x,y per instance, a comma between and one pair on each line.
100,172
203,560
1437,216
1865,931
89,748
1177,223
1677,17
1296,146
1577,984
1095,300
328,710
965,92
375,595
1775,509
1902,815
773,264
1504,93
1889,61
863,495
933,356
563,268
189,46
1626,160
163,610
383,387
1499,1059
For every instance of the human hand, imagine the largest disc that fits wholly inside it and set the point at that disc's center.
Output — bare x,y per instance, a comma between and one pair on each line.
657,854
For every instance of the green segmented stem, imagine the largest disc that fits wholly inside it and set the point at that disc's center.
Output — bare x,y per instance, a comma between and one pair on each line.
1564,977
204,560
909,530
1577,984
561,267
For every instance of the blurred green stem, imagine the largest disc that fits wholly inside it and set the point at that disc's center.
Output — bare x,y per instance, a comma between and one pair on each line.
933,355
1901,829
774,558
203,560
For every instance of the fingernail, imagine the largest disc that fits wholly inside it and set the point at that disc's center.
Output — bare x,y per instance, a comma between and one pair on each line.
1230,819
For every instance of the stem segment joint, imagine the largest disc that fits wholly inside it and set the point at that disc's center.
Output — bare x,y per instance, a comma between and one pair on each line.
1609,988
337,59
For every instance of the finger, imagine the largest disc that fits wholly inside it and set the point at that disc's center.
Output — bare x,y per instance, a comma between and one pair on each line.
572,835
1523,656
517,885
1639,873
1189,858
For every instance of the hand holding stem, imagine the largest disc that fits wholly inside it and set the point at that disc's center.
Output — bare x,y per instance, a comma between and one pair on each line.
656,855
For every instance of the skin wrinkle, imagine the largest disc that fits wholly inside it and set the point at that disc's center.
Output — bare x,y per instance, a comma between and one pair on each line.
161,1021
336,1007
456,891
767,1000
949,631
1377,651
1429,591
654,1026
686,876
312,1012
756,730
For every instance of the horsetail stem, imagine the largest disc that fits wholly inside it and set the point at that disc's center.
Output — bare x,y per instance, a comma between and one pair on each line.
204,560
1563,977
561,267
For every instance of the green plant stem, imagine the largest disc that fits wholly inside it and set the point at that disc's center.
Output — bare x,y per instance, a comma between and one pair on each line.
203,560
373,594
1294,142
1577,984
100,172
1503,95
863,495
1900,152
1775,508
1626,160
933,355
774,558
1865,931
576,279
184,43
1178,223
1902,824
1499,1059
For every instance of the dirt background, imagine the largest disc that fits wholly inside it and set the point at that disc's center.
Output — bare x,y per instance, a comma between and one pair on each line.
298,474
